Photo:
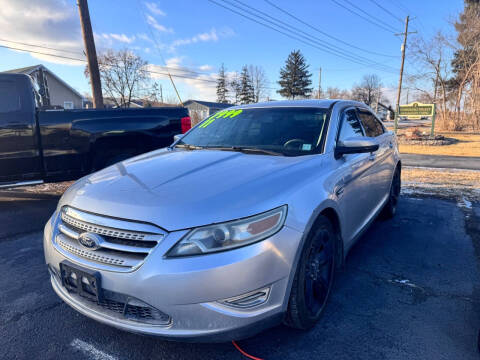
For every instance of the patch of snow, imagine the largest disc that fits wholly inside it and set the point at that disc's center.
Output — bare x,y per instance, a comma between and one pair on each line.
464,203
405,282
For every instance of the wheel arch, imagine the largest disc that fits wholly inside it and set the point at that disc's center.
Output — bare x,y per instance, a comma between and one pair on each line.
331,214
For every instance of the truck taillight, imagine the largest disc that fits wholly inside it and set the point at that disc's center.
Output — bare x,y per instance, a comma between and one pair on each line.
186,124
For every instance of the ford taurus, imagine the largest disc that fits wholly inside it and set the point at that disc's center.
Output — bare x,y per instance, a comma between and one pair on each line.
237,226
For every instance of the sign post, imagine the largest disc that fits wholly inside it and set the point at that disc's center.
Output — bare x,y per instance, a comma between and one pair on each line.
432,131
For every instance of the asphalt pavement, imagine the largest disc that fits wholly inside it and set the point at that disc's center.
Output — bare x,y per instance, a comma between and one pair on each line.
441,161
410,289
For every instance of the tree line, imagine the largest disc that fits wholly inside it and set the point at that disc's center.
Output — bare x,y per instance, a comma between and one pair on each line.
447,71
295,82
442,69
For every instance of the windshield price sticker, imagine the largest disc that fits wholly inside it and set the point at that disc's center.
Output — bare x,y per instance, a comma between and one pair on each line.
222,114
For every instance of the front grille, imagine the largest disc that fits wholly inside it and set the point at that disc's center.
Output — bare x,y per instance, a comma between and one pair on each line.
119,306
128,308
122,245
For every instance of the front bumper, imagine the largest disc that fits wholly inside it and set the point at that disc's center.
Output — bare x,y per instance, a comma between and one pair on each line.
191,290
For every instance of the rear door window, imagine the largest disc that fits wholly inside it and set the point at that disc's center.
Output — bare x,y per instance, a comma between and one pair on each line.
350,126
372,126
9,97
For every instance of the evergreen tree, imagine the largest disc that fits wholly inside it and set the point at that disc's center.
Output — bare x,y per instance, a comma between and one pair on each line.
294,77
247,92
222,90
235,88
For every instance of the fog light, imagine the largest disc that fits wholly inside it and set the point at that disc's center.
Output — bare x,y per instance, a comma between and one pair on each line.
248,300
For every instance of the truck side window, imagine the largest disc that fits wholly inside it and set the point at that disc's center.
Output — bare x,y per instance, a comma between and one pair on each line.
350,125
9,97
372,126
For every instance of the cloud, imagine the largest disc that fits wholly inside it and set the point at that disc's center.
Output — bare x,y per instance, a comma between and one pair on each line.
119,37
194,85
205,67
123,38
144,37
211,36
154,9
49,23
153,22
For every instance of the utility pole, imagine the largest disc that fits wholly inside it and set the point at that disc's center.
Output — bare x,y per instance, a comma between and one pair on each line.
320,83
91,53
404,45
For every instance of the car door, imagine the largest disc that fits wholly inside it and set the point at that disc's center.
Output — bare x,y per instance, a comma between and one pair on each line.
381,169
19,151
355,173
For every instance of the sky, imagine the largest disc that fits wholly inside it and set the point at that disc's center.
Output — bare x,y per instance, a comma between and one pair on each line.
194,37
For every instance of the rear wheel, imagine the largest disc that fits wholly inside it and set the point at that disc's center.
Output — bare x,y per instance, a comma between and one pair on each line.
391,206
313,278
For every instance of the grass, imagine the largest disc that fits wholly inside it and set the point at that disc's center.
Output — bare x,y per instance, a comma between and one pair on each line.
444,183
467,145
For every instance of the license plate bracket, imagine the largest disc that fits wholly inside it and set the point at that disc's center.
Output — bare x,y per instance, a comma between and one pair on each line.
81,281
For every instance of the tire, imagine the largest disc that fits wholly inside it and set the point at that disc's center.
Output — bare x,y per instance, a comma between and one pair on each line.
390,207
313,282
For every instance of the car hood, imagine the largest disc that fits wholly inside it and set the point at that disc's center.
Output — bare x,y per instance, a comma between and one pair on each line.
180,189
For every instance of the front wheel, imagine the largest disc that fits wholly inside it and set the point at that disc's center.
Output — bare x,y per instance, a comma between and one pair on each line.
313,277
391,206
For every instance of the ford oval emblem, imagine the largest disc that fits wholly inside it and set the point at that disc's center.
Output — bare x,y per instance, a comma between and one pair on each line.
90,241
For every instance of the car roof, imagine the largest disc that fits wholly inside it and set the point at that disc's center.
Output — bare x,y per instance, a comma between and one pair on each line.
317,103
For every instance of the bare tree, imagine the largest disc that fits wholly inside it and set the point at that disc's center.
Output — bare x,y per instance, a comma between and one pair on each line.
369,90
336,93
466,65
259,82
432,69
124,76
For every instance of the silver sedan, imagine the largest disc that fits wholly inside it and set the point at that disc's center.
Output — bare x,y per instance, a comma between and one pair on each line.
239,225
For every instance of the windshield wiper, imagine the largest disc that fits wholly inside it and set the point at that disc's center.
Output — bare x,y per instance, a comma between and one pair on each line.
245,149
190,147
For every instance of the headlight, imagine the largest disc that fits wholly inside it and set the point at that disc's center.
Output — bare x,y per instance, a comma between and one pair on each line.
231,234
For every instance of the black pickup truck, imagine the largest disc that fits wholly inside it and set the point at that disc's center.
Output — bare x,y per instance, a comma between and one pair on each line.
57,145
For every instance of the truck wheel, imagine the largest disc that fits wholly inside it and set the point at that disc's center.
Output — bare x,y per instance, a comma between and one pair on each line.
314,277
390,207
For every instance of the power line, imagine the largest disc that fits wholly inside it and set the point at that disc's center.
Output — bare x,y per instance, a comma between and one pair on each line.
84,61
326,34
369,14
41,53
157,49
295,36
387,11
167,68
41,47
363,17
308,37
407,11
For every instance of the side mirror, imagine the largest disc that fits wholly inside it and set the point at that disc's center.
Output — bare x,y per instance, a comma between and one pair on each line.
177,137
355,145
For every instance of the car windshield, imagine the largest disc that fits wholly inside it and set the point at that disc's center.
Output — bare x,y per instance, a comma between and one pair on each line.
289,131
